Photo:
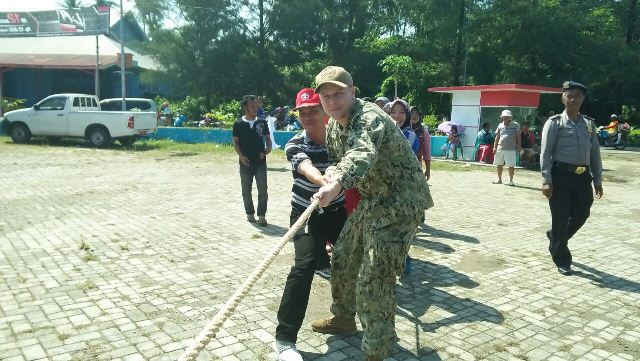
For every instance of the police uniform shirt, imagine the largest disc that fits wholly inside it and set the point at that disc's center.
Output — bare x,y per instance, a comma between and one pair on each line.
564,140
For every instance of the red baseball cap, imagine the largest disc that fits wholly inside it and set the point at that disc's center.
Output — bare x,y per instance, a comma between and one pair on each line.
306,97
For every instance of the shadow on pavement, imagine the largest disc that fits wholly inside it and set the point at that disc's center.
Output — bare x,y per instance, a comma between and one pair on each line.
603,279
434,232
434,246
339,343
421,290
271,229
537,189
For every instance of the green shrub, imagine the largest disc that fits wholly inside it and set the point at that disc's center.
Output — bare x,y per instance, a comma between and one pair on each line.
192,107
195,108
226,112
431,121
634,137
9,104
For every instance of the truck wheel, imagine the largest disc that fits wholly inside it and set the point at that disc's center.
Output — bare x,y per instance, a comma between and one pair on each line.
127,141
99,137
20,133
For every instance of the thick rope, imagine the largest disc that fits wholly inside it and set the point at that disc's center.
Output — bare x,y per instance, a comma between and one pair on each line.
218,320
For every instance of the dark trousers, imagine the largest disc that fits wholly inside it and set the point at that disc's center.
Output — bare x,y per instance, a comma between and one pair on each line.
247,173
309,250
570,206
323,227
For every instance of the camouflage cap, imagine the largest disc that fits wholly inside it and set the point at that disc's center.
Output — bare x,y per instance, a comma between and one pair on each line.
573,85
334,75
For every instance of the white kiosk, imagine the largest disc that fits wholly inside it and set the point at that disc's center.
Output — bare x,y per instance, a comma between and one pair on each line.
473,105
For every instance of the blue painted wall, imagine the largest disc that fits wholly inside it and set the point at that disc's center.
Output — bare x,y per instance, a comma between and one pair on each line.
437,141
223,136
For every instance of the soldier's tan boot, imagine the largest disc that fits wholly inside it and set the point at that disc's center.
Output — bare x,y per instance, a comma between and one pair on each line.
335,325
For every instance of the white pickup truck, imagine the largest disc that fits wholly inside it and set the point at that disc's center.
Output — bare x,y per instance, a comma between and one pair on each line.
77,116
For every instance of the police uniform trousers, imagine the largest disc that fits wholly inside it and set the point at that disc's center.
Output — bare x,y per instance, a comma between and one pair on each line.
570,205
369,255
310,254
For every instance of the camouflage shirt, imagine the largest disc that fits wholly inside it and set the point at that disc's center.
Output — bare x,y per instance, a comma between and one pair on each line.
373,155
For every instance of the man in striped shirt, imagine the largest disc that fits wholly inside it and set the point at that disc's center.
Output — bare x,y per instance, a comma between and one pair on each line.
307,153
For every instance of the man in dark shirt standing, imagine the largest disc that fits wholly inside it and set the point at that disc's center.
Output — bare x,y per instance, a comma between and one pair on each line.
252,142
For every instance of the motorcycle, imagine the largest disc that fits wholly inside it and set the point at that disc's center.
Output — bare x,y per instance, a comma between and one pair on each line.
607,140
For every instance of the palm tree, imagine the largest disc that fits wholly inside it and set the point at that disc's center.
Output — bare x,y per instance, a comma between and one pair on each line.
71,4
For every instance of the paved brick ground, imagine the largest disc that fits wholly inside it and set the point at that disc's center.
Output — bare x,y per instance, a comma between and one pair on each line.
114,255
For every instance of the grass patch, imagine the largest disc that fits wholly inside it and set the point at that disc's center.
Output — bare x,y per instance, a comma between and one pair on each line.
63,336
171,146
84,246
188,149
124,247
89,353
499,348
88,286
256,235
451,167
89,256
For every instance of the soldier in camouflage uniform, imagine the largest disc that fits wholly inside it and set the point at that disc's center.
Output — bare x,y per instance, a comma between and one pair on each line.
371,154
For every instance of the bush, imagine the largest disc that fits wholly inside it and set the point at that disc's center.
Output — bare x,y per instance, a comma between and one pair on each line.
9,104
634,137
431,121
226,112
194,108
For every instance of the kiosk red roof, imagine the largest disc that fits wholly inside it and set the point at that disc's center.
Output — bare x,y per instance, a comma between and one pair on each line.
498,87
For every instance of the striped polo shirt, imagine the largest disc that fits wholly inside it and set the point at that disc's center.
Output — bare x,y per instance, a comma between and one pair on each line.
299,149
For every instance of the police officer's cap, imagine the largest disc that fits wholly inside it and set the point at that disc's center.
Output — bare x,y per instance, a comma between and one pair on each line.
570,84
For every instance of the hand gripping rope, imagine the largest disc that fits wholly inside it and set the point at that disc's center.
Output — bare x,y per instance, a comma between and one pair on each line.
213,326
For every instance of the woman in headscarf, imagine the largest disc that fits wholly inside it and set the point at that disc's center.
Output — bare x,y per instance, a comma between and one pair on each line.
401,114
424,141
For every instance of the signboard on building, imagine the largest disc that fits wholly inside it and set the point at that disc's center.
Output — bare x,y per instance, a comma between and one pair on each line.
90,20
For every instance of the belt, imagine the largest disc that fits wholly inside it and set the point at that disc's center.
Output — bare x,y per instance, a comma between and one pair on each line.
571,168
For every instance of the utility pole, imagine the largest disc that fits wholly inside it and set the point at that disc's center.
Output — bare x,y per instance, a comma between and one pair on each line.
262,51
122,75
97,77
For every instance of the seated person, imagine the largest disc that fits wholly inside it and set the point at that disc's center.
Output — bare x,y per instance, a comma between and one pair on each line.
206,121
484,144
454,143
527,142
612,128
623,127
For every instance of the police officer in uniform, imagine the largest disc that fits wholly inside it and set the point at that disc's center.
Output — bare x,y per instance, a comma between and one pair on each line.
371,154
569,161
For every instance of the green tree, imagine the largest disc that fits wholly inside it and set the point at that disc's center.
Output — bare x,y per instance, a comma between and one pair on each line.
71,4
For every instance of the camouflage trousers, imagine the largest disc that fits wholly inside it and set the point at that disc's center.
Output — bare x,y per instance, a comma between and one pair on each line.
365,263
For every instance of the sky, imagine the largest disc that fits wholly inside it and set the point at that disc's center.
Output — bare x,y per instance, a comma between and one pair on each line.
30,5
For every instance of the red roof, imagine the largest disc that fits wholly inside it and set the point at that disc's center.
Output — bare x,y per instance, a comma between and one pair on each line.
498,87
